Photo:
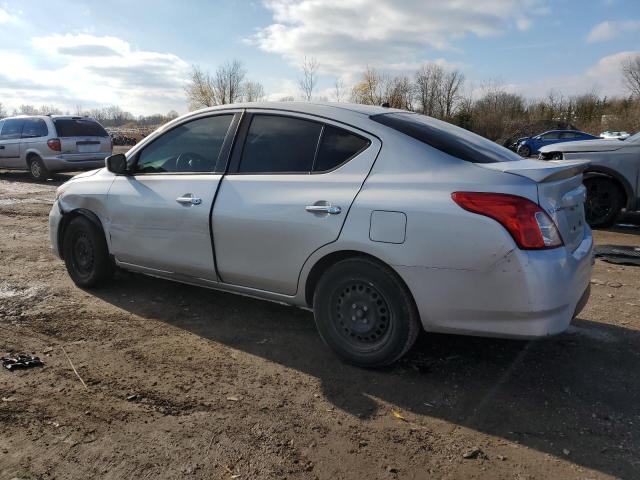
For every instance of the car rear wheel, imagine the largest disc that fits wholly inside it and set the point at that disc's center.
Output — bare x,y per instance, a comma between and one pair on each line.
85,253
364,312
604,201
524,151
38,170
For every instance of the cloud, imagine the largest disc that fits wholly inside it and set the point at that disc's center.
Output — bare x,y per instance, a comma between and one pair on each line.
347,35
609,30
604,77
71,69
6,17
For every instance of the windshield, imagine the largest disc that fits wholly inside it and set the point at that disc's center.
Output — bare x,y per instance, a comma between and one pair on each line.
447,138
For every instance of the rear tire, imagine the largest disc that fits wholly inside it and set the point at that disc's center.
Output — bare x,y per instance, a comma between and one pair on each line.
38,170
605,200
524,151
85,254
364,312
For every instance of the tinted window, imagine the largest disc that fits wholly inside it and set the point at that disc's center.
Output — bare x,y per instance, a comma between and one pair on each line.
191,147
336,147
77,127
11,129
279,144
34,127
551,136
447,138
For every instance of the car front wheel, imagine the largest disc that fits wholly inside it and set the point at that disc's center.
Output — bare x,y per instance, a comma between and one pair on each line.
38,170
524,151
364,312
85,253
604,201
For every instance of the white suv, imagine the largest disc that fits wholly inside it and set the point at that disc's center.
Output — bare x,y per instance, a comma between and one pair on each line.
52,143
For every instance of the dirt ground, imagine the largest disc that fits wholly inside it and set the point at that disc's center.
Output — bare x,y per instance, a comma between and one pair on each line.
183,382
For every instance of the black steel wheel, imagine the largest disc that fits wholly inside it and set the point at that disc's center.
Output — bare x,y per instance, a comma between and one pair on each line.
364,312
604,201
556,156
85,253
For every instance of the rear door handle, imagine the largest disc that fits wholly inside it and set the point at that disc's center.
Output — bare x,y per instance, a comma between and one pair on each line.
189,199
330,209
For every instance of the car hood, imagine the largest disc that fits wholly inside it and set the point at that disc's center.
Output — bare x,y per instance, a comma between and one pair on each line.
584,146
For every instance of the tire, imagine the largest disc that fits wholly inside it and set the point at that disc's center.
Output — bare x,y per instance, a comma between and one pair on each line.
85,253
38,170
556,156
364,313
524,151
605,200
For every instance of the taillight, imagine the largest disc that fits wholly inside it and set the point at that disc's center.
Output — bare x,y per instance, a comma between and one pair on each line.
528,224
54,144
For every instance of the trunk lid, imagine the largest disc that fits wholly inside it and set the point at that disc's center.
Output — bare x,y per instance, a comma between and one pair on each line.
560,192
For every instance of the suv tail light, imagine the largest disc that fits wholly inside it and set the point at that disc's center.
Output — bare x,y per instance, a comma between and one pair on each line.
528,224
54,144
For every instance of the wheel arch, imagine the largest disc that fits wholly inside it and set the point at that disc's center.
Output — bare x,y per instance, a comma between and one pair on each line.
327,261
66,220
605,172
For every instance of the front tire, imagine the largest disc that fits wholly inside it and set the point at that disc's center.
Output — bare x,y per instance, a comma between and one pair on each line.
524,151
556,156
85,254
364,312
38,170
604,201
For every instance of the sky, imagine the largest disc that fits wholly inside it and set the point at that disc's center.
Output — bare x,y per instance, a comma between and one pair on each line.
137,54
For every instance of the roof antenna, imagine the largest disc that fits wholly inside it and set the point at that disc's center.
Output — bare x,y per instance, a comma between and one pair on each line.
385,105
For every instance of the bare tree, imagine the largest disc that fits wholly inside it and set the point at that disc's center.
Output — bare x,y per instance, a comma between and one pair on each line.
26,110
49,110
370,90
631,75
253,91
339,90
227,83
429,88
78,112
309,79
398,92
200,90
3,112
452,82
288,98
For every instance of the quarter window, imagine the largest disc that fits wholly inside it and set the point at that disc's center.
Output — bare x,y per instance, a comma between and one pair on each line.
551,136
11,129
191,147
336,147
34,127
277,144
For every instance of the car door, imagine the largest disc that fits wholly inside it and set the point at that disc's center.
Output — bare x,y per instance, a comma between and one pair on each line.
548,139
10,142
288,191
159,213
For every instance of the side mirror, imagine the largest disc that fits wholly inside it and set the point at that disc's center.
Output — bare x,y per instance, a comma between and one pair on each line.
117,164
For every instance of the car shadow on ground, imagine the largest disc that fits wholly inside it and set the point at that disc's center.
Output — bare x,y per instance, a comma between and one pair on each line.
576,392
24,177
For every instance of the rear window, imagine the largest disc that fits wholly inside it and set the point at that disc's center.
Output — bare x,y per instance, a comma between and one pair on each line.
76,127
447,138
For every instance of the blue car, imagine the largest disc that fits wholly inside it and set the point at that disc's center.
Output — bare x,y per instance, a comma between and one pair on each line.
531,145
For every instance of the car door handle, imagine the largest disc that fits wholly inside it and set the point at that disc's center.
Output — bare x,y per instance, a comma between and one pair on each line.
188,199
330,209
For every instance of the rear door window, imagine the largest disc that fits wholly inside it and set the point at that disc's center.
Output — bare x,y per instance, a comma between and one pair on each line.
34,128
12,129
79,127
447,138
337,146
191,147
278,144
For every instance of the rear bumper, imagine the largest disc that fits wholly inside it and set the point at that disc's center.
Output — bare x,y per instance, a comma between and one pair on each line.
69,162
526,294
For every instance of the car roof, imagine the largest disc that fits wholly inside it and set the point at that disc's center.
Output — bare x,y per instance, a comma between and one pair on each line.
22,117
311,108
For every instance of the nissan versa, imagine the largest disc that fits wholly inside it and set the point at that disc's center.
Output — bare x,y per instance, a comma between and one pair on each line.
380,220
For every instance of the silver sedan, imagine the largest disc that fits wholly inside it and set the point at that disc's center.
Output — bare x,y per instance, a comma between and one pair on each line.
384,222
